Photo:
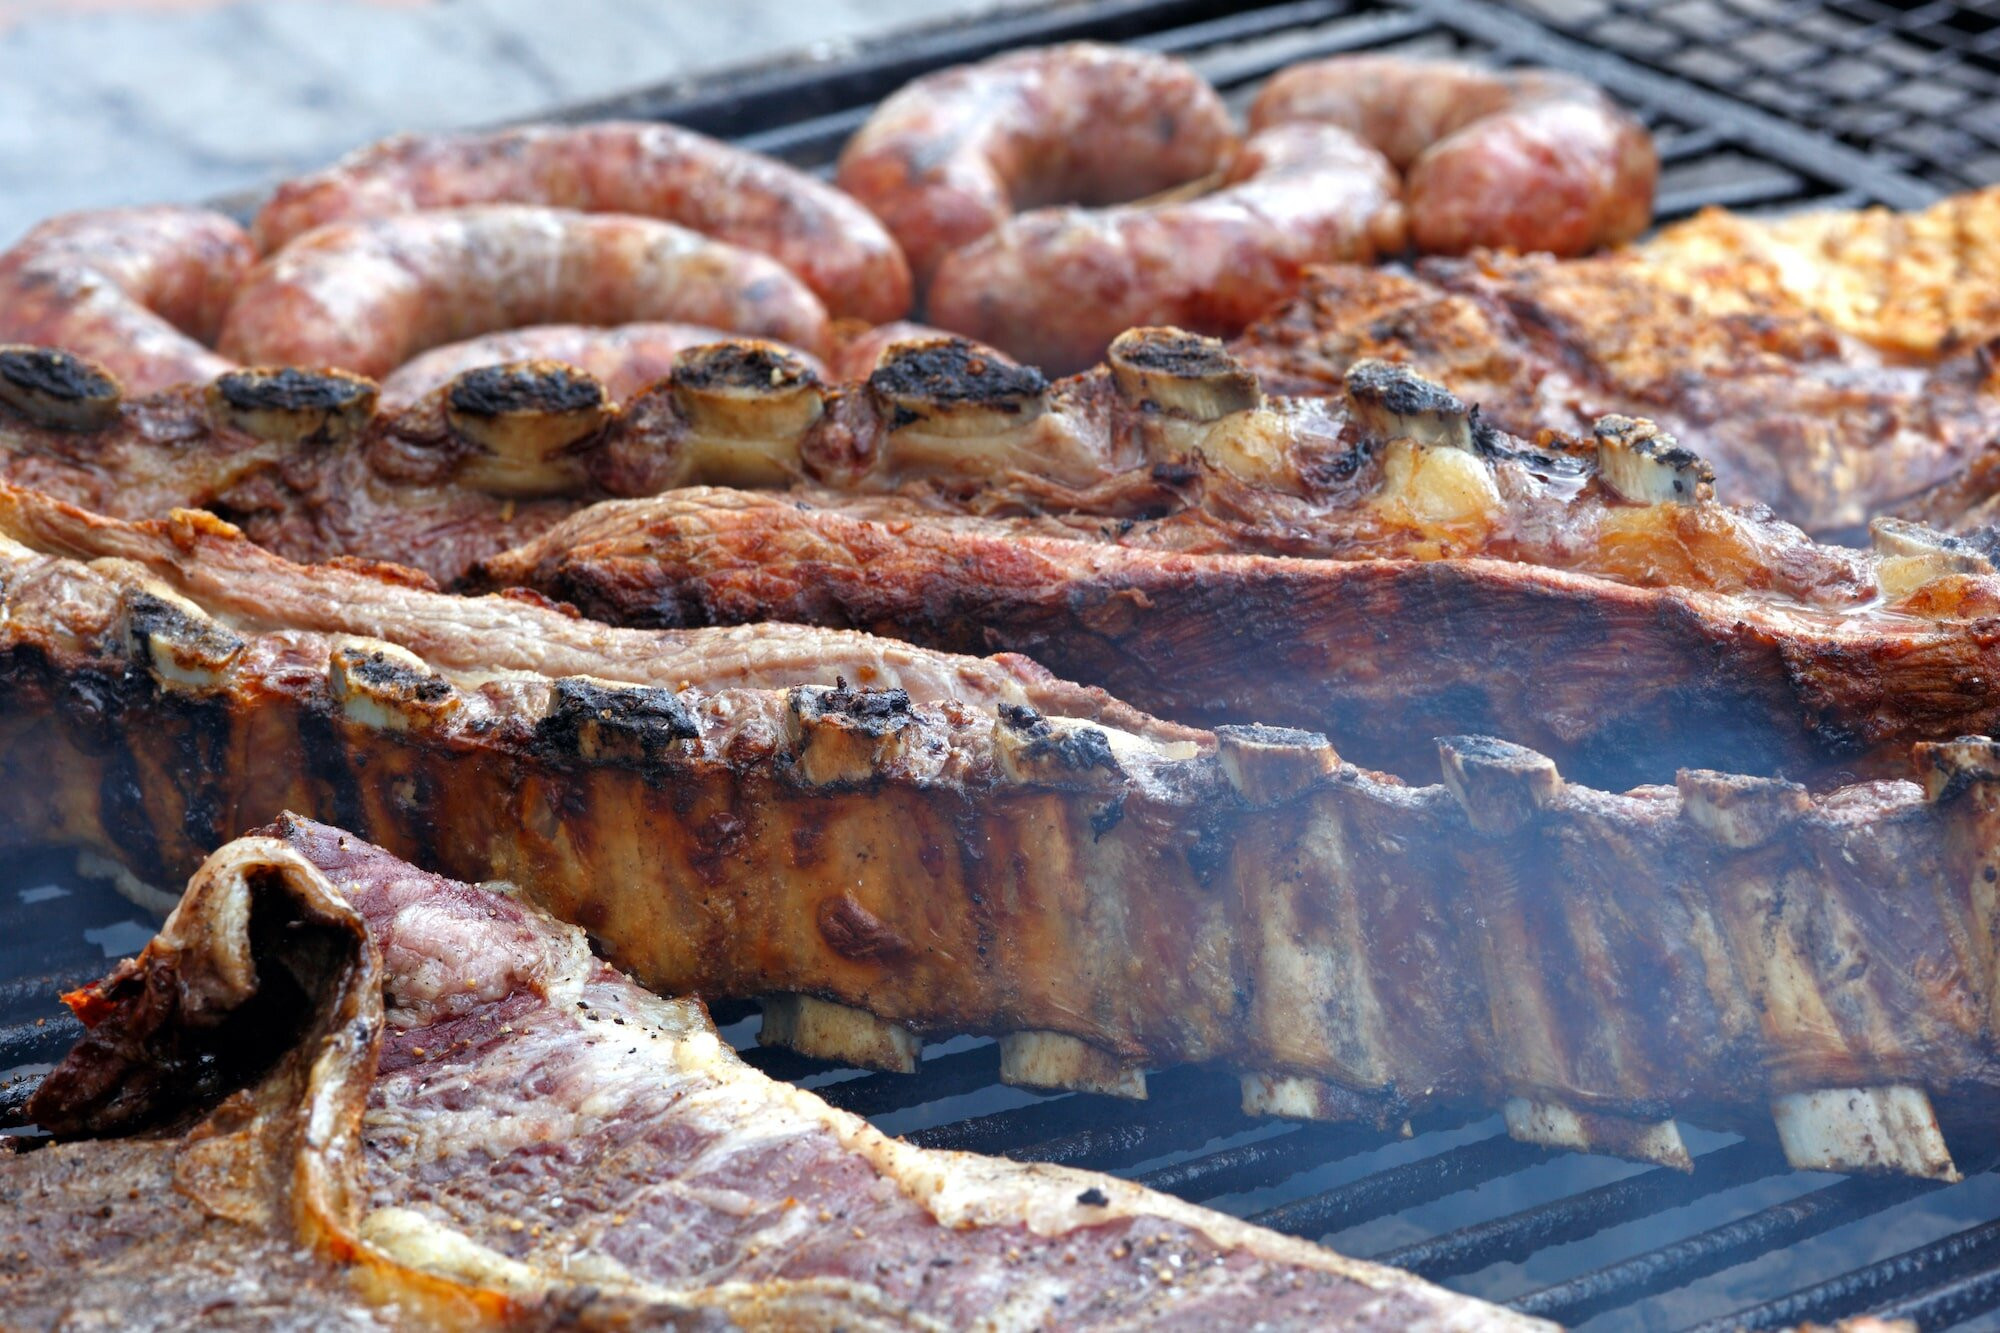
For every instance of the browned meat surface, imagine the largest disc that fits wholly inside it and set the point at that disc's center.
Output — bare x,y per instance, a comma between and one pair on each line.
1522,160
952,155
141,291
647,170
367,296
1830,370
1727,948
456,1115
1054,286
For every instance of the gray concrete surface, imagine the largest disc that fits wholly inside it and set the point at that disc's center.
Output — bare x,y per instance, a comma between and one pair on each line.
137,101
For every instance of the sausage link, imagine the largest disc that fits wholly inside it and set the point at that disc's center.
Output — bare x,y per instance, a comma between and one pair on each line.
368,296
1053,287
625,358
949,157
1528,160
138,290
656,171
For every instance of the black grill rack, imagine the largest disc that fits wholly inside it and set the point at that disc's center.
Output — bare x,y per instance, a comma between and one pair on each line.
1741,1242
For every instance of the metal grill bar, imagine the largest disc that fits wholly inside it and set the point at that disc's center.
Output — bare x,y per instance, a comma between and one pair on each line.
1265,1162
1721,1247
1404,1186
1912,1276
1519,1235
1184,1108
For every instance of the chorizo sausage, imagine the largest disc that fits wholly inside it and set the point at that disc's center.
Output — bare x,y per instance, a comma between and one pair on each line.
1529,160
368,296
952,155
1053,287
140,291
658,171
625,358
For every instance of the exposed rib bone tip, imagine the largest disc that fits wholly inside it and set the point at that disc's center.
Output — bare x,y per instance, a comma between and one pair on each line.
1297,1097
388,688
1740,811
748,405
607,721
1910,555
179,643
951,388
1950,769
1639,462
1173,371
1060,751
1393,402
293,406
1268,765
1558,1125
1058,1060
58,389
842,736
838,1032
1891,1129
1501,785
525,416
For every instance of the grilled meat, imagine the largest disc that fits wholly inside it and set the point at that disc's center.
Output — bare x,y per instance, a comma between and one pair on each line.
1104,898
1829,366
382,1156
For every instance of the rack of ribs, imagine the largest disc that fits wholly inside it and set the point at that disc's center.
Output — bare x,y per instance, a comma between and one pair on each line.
1102,892
1158,527
421,1101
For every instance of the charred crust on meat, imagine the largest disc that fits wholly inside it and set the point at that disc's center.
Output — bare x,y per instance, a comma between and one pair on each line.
756,366
1094,1198
379,670
58,389
854,932
953,370
1107,816
1077,749
591,720
1951,769
289,389
873,712
496,391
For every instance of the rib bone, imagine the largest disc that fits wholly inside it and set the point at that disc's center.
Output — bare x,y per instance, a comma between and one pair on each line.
748,406
1884,1129
326,407
838,1032
525,417
58,389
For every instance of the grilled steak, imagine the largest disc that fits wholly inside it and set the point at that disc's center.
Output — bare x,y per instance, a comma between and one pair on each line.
423,1104
1620,684
1831,366
1103,898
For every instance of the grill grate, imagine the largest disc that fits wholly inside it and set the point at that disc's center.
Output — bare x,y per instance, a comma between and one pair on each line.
1756,104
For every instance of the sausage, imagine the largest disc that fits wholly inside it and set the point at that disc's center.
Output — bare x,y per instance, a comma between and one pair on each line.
1529,160
657,171
625,359
952,155
1053,287
367,296
140,291
858,348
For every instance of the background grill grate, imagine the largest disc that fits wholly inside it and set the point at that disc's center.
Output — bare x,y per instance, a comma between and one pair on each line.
1757,104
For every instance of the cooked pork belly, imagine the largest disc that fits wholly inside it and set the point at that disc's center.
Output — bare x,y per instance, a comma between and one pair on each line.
1829,365
424,1105
1104,898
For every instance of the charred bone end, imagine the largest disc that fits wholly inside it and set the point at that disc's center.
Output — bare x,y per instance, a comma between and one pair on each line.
1640,463
953,389
1058,1060
1950,769
1393,402
1738,811
1556,1125
388,688
525,418
177,641
1269,765
842,736
291,406
1184,374
838,1032
748,406
1889,1129
603,721
1501,785
1909,555
1296,1097
1061,751
57,389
